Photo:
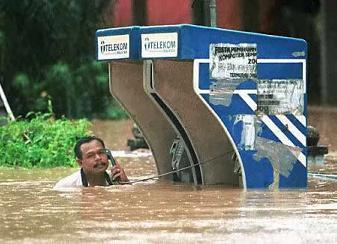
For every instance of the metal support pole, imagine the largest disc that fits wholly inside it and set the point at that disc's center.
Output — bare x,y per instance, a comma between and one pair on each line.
7,107
212,10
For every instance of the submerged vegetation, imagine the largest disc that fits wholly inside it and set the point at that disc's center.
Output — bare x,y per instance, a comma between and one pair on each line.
40,140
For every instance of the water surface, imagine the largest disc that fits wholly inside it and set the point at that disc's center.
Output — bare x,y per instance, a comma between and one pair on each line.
153,211
159,211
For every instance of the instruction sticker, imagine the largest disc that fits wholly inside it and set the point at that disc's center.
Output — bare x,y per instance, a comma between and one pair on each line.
113,47
221,91
280,96
248,132
160,45
233,61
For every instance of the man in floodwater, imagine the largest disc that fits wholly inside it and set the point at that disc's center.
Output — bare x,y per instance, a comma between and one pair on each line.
92,157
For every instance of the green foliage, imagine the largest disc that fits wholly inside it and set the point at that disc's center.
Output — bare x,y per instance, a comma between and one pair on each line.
40,141
47,49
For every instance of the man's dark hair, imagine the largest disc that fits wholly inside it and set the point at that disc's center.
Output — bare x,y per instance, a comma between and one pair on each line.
81,141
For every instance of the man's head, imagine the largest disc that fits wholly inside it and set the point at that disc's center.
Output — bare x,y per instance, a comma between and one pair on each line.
90,156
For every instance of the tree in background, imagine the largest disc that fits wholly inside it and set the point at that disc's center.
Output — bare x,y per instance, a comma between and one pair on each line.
47,49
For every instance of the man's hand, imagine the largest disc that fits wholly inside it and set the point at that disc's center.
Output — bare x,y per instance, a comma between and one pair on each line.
117,173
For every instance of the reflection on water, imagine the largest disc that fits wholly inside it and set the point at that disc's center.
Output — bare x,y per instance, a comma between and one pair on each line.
160,211
153,211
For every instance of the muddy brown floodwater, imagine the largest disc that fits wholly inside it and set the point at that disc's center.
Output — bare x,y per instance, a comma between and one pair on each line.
159,211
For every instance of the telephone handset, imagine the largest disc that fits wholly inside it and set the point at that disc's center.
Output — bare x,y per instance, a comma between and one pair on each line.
110,157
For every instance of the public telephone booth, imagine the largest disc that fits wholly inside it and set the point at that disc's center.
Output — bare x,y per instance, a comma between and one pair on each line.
235,100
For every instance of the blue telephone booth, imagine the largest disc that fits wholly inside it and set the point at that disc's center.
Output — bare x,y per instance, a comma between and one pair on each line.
237,99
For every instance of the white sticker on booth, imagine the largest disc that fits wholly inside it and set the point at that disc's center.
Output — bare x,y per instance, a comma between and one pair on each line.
113,47
279,96
159,45
233,61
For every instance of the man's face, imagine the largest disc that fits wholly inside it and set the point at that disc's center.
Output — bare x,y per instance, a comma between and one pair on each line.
94,160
